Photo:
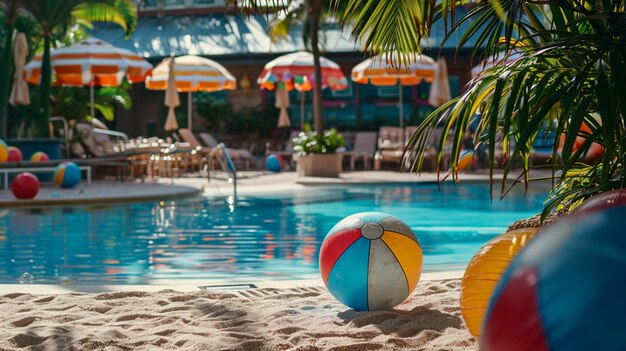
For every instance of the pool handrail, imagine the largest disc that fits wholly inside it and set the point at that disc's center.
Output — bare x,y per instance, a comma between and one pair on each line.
227,165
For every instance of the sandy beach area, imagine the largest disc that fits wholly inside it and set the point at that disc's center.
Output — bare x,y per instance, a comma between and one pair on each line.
306,318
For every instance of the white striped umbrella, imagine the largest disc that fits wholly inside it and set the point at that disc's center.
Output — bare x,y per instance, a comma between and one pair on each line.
388,70
296,71
92,62
193,73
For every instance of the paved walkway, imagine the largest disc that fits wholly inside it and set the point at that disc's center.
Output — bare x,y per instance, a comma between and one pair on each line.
249,183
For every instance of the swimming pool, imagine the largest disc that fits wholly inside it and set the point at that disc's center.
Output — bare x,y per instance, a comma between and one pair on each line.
276,237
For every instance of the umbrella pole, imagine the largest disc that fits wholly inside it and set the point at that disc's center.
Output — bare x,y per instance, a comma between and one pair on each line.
189,110
91,97
401,109
301,110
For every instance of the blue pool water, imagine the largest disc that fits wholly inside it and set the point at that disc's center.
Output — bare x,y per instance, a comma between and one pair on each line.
277,237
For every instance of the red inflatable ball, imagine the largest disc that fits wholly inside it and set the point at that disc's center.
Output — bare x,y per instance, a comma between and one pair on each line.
15,155
25,186
607,199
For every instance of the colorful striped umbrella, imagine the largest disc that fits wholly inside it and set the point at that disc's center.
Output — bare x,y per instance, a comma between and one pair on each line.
92,62
296,71
387,70
193,73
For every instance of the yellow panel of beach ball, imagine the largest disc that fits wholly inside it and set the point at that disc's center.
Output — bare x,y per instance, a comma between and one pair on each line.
484,271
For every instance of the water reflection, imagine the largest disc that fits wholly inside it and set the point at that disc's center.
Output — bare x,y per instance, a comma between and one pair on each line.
203,238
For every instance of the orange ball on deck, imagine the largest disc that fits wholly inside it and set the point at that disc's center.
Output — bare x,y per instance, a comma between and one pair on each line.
484,271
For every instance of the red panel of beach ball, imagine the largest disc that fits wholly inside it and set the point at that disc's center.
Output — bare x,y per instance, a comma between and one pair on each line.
39,156
4,151
15,155
603,200
25,186
370,261
564,289
274,163
67,175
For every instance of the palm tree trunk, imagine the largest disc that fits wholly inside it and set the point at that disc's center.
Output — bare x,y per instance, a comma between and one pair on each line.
315,11
7,66
46,79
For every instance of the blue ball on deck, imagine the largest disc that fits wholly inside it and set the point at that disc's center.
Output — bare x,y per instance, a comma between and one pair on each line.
274,163
67,175
564,291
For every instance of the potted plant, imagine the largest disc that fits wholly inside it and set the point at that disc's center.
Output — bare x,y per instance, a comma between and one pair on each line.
315,153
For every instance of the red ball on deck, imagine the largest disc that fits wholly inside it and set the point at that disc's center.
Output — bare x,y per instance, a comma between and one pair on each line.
15,155
25,186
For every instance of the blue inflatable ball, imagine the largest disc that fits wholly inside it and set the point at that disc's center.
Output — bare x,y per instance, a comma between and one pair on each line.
67,175
564,289
274,163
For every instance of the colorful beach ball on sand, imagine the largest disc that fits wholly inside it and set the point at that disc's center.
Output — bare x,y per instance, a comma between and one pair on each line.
565,289
67,174
4,151
39,156
370,261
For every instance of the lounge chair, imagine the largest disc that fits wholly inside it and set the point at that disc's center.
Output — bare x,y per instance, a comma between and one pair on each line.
390,146
239,156
364,149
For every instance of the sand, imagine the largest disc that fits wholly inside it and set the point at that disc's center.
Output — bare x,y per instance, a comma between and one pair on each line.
306,318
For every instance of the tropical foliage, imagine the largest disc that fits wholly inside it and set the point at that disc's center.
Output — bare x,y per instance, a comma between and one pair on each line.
569,72
53,17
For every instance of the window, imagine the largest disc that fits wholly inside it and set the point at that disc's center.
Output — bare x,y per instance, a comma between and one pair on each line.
390,91
345,93
181,3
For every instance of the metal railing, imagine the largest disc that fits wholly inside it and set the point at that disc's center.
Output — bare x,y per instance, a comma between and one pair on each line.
223,158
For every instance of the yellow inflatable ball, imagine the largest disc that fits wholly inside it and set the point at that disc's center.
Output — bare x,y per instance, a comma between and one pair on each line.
484,271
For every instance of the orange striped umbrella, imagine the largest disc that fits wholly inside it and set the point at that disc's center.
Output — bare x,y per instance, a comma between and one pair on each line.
388,71
92,62
193,73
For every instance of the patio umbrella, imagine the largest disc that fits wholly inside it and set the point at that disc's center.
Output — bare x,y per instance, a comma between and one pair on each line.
296,71
19,93
440,89
386,71
92,62
172,99
282,102
193,73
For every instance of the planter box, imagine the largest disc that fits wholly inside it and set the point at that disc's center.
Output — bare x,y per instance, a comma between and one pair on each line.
319,165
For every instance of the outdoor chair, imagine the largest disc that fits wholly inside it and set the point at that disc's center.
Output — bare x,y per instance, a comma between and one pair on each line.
390,146
364,149
238,156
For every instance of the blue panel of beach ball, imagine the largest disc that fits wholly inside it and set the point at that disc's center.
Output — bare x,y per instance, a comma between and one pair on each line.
274,163
370,261
565,289
67,175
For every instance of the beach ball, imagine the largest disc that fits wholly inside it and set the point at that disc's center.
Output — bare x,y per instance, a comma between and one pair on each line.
25,186
39,156
370,261
565,289
612,198
4,151
274,163
484,271
15,155
465,161
67,174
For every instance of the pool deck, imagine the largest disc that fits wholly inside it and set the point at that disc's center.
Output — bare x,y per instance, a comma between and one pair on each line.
165,188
